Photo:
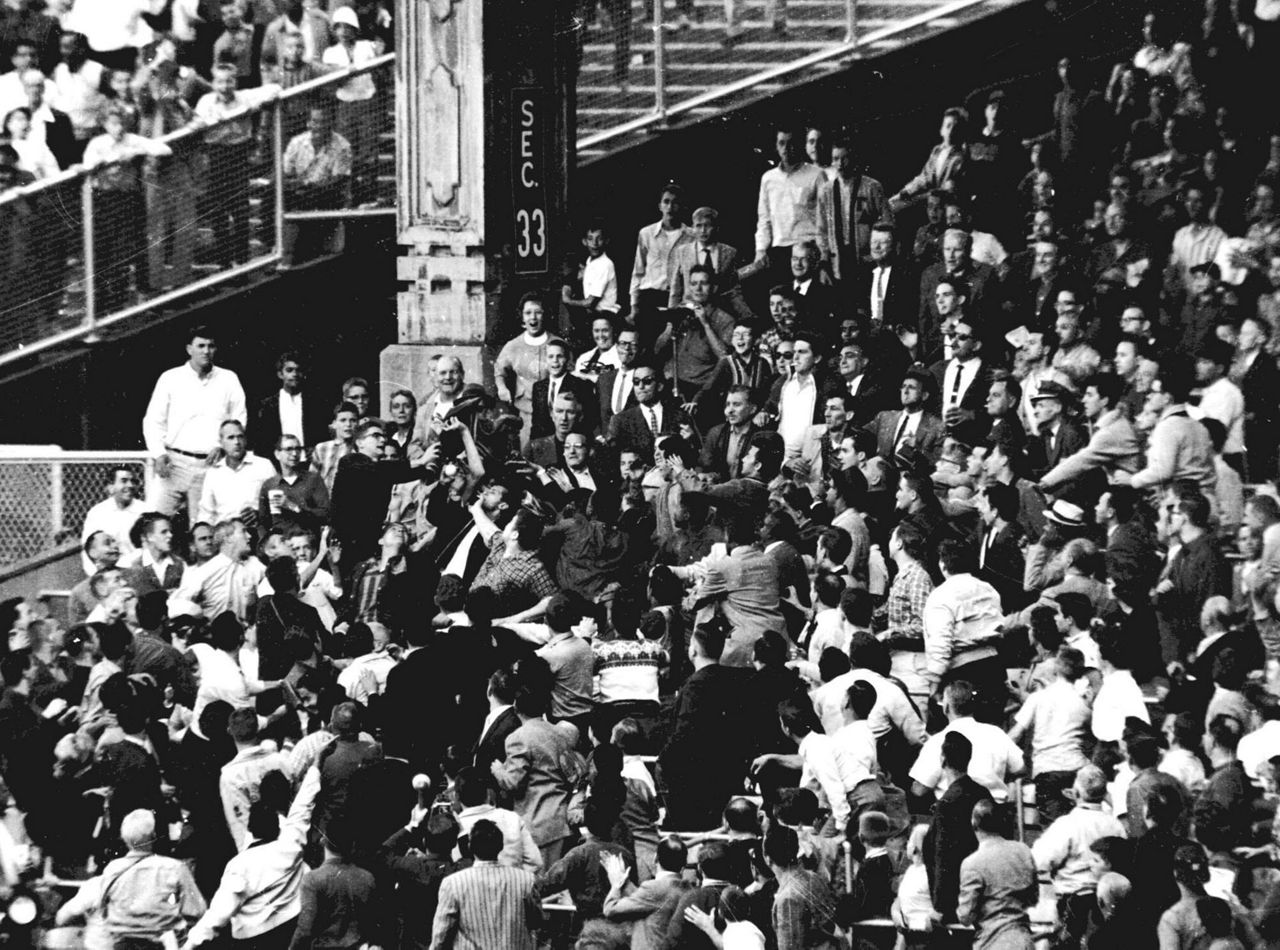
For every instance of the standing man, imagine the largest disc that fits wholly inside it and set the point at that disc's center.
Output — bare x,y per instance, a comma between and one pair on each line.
559,380
116,514
965,379
486,905
657,250
232,485
362,490
1179,447
787,209
883,283
1259,383
851,207
1221,399
1059,438
997,885
188,406
697,337
799,401
1113,445
284,412
956,262
615,387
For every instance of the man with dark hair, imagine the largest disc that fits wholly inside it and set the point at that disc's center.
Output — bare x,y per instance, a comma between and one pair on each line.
287,411
804,909
1131,555
654,413
1178,448
696,338
715,873
797,401
583,870
116,514
239,779
998,883
472,787
703,763
536,772
487,905
996,760
965,378
1000,559
652,904
1223,812
297,496
950,838
560,379
727,443
187,407
962,628
1003,398
1197,572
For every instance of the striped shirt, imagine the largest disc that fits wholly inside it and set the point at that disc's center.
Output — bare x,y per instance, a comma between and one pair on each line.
485,907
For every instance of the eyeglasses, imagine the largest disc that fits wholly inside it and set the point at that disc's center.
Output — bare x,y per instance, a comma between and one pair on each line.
626,344
291,448
785,354
644,380
962,336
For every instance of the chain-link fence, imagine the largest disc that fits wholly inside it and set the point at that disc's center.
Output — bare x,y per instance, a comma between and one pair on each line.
147,221
647,61
45,495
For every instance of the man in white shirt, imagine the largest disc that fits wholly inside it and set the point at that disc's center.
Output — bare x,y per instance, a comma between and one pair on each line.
182,422
1198,241
995,759
232,486
798,397
1262,744
1220,398
1057,718
823,767
115,514
787,209
1119,697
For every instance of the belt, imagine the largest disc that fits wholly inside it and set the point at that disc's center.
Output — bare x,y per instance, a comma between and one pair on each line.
191,455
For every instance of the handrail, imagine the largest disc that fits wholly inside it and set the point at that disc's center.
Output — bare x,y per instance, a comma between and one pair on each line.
54,453
75,172
777,72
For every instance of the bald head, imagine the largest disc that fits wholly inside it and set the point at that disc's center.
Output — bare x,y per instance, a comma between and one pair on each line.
1113,891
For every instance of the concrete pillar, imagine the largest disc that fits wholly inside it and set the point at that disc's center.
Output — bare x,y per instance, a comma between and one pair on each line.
485,122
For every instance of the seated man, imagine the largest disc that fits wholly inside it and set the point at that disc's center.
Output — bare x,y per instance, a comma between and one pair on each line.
317,172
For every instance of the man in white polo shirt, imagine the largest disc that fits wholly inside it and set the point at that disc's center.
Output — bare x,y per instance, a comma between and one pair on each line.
995,761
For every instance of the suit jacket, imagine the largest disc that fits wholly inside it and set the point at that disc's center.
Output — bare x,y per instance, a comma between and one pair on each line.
629,430
685,257
1070,440
604,394
715,451
1260,386
546,451
974,400
584,389
928,437
827,387
870,206
537,772
1113,446
1003,564
949,841
900,292
818,305
266,423
982,305
1021,289
876,393
143,580
492,745
1132,556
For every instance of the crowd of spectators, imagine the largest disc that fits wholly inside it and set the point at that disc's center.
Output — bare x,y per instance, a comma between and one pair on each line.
94,83
908,568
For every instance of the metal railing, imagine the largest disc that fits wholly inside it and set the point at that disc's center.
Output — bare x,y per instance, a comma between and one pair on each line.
194,209
45,494
695,62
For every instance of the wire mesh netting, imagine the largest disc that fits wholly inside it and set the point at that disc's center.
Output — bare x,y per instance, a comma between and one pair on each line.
43,502
193,200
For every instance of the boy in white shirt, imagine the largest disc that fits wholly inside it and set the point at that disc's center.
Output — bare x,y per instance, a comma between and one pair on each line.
1057,719
599,280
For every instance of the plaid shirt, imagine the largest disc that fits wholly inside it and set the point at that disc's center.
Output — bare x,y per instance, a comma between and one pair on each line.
367,582
905,606
518,581
325,458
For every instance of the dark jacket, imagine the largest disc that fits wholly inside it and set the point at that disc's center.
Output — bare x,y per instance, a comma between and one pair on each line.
1198,571
1002,566
629,430
361,494
266,423
900,292
715,451
584,389
949,841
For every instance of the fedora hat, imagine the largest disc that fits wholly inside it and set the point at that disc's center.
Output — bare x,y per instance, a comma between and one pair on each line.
1052,389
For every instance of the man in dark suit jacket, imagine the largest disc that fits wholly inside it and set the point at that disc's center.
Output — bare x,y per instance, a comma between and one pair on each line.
362,491
1260,386
720,259
548,450
888,279
818,301
1031,291
1133,557
862,375
58,133
491,746
265,429
704,760
981,279
968,375
950,838
559,363
1059,437
157,567
1000,560
457,530
609,389
632,430
923,429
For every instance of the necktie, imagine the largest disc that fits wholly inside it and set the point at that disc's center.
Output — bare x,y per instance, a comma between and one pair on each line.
706,260
619,387
877,300
902,429
954,399
986,546
552,388
651,417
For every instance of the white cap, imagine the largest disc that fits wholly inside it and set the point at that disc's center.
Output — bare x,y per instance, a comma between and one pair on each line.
346,15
